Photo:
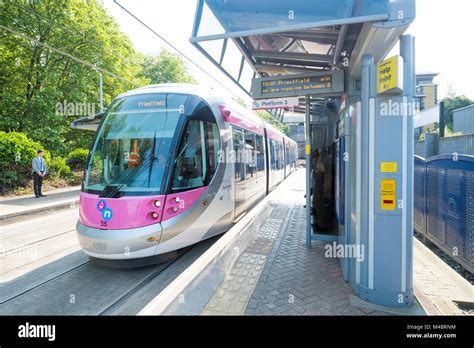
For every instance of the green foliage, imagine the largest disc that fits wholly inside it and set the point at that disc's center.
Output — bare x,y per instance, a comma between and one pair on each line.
58,168
449,133
165,67
16,153
77,159
453,102
283,127
35,78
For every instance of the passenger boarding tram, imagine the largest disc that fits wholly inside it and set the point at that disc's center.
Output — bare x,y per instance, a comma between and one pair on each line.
172,165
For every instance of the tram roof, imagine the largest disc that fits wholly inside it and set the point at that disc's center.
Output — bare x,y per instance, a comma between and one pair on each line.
249,38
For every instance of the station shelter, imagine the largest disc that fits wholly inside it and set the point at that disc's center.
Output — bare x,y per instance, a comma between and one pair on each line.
358,105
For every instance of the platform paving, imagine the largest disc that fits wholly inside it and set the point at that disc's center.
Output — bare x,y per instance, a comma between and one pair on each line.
14,209
263,267
437,286
277,274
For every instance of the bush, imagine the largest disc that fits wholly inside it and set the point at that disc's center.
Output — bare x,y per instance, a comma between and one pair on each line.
16,153
58,168
77,159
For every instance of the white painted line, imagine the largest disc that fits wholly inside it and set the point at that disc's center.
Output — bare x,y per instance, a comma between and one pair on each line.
404,194
358,184
371,190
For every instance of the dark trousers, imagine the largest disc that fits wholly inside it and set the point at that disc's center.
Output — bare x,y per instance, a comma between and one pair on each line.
37,183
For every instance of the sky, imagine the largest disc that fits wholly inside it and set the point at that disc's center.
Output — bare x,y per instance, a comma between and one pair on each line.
442,29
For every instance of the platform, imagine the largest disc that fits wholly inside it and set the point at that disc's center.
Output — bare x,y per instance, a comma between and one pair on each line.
262,266
15,209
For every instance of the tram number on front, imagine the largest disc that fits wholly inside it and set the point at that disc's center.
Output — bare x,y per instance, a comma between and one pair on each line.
103,223
98,246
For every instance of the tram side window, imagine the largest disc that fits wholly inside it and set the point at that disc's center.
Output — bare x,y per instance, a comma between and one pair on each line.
273,155
260,156
250,155
213,147
196,160
280,158
288,155
237,135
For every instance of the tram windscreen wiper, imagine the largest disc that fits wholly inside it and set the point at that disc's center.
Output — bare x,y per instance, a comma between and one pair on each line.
109,190
114,190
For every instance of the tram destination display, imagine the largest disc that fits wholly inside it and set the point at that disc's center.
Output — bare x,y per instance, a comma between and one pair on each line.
324,83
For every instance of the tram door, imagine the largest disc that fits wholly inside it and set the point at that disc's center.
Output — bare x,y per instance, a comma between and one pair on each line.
239,175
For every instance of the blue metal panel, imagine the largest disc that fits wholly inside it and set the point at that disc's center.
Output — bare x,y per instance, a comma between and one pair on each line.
340,173
419,213
390,234
450,206
242,15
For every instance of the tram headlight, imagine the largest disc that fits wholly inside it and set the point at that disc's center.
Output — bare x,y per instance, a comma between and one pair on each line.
154,215
157,204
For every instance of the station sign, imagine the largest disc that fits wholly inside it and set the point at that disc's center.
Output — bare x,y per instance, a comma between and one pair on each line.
321,83
390,76
388,167
281,103
388,194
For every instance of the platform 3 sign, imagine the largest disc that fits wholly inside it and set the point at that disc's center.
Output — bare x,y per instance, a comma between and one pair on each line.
323,84
281,103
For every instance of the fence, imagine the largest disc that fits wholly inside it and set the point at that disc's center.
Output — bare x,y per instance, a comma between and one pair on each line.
433,145
444,205
461,144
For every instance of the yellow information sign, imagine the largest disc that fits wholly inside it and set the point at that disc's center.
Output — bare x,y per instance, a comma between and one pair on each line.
388,194
390,76
308,149
388,167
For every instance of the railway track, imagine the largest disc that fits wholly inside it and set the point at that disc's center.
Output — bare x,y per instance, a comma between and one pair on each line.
75,285
84,288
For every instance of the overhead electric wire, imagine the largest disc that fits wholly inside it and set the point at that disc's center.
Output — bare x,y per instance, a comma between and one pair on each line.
54,49
94,66
175,48
65,29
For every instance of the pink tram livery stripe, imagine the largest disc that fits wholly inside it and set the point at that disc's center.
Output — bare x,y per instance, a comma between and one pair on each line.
119,213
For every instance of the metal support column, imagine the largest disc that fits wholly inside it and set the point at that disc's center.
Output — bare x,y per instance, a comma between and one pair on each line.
366,181
101,102
407,51
308,172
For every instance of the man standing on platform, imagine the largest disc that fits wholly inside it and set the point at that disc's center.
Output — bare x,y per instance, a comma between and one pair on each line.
39,170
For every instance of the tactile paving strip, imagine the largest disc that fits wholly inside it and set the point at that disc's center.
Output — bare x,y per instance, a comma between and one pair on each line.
261,246
270,229
232,297
237,288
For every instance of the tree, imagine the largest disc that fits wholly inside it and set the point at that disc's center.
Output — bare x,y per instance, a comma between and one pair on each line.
165,67
50,52
283,127
453,102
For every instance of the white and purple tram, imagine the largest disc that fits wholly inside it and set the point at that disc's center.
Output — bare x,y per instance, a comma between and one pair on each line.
172,165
